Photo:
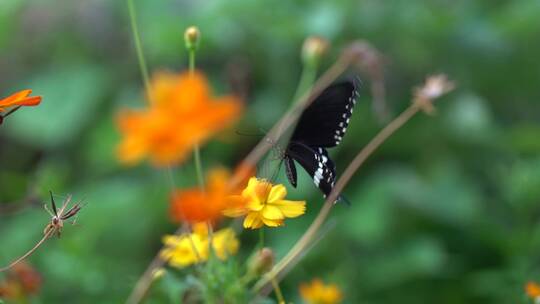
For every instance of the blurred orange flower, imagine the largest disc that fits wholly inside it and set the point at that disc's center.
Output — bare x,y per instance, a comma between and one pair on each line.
21,98
533,290
182,114
198,205
21,281
318,293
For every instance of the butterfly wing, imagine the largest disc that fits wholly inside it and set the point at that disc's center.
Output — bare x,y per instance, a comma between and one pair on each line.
324,122
317,164
290,170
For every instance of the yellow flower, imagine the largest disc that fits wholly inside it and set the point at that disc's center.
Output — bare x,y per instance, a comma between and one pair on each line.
186,249
264,204
225,243
318,293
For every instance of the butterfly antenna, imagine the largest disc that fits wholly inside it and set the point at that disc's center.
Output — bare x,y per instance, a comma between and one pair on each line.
276,171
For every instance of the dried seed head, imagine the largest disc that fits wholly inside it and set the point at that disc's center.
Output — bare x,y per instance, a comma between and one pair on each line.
192,37
313,49
434,87
362,54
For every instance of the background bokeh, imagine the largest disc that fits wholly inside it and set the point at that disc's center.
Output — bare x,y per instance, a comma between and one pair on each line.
445,212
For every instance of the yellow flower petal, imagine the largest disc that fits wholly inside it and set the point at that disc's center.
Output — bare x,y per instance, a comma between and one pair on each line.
225,243
291,208
272,212
253,221
272,223
278,192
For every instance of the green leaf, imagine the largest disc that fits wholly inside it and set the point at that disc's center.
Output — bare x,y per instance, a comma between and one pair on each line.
71,96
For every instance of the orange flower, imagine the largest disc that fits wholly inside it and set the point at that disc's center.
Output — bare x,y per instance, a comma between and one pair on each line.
22,281
533,290
318,293
19,99
196,205
182,114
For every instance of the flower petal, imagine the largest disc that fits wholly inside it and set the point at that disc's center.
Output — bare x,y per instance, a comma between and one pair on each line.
272,212
253,221
291,208
277,193
236,206
20,99
272,223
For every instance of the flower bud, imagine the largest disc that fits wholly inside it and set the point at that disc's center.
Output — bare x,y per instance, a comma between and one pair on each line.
192,36
313,49
261,262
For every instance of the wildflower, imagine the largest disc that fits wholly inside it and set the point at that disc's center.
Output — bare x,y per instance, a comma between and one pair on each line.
181,116
264,204
21,281
18,100
318,293
187,249
225,243
198,205
21,98
434,87
532,289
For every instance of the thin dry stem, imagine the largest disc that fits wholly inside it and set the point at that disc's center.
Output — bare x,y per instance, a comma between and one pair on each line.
48,234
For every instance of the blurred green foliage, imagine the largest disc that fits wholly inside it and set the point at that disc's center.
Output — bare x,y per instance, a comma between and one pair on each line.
445,212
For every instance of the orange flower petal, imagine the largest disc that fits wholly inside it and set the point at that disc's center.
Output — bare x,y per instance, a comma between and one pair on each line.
19,99
182,115
532,289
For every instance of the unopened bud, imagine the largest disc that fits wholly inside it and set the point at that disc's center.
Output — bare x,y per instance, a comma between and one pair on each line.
313,49
192,36
261,262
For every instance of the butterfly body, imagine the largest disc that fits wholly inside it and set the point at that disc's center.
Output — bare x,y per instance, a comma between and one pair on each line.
322,125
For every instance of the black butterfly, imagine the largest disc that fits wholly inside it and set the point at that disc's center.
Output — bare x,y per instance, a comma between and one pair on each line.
322,125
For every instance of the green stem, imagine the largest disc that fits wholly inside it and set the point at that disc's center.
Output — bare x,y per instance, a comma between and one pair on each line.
198,166
191,60
307,79
196,150
261,237
138,48
277,290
